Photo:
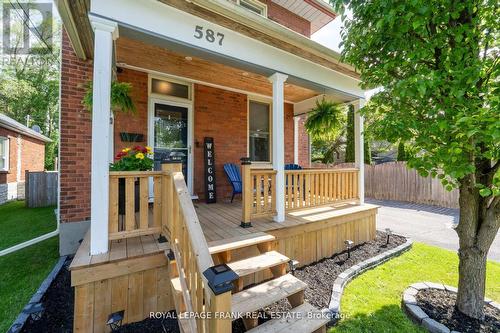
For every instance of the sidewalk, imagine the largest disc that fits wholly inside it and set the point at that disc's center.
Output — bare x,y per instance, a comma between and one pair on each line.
423,223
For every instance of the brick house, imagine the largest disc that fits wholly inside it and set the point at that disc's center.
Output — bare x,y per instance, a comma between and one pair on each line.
244,73
21,149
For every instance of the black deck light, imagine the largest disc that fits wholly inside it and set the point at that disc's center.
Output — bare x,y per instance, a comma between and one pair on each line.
35,310
115,320
162,239
292,264
170,255
388,231
348,244
220,278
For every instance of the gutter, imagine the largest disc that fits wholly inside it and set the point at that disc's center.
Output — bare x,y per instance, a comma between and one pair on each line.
271,28
70,26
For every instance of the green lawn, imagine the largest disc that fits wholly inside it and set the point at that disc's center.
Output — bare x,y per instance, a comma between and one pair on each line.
372,301
21,274
19,224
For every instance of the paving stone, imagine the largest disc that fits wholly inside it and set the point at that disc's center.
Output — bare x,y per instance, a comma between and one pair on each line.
419,286
343,275
337,287
435,285
411,291
355,268
450,288
434,327
409,299
495,305
416,312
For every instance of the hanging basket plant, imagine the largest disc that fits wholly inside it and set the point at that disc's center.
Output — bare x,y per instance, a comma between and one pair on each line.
120,97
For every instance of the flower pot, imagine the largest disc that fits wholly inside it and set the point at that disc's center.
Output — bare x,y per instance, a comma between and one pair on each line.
122,199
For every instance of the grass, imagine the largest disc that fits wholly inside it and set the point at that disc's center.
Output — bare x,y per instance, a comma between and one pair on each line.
21,274
19,224
372,301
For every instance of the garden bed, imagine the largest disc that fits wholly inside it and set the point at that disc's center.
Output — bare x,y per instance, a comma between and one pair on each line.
320,276
440,306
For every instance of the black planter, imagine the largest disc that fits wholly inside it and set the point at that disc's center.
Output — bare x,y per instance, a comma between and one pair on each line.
121,196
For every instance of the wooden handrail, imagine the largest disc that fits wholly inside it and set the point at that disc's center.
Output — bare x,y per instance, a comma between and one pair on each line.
192,256
259,192
129,211
316,187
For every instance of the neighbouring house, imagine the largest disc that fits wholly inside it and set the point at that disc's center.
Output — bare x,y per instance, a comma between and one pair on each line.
242,74
21,149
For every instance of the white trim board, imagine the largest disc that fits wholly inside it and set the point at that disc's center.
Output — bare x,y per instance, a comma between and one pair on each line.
170,24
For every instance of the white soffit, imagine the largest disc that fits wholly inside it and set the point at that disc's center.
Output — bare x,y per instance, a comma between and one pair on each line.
314,11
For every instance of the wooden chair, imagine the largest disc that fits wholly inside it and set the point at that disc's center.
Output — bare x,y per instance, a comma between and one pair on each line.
233,175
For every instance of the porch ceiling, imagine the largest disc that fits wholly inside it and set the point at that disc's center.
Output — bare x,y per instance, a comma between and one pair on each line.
155,58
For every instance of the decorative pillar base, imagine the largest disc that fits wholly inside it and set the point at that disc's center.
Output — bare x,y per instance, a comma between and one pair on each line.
246,224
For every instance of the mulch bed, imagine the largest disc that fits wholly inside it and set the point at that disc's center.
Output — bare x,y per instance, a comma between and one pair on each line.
59,299
440,306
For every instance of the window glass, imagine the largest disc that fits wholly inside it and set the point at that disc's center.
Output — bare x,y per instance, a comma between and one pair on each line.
259,131
252,7
163,87
3,153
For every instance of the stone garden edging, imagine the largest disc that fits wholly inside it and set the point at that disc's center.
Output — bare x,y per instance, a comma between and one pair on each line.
419,316
18,324
352,272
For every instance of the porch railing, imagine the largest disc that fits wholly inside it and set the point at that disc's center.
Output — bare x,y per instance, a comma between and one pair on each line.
192,257
303,189
130,214
316,187
259,192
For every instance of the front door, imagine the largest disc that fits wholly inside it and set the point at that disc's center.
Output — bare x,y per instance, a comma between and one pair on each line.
170,137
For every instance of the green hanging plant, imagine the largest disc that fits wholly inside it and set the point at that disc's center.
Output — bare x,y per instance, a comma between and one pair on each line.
120,97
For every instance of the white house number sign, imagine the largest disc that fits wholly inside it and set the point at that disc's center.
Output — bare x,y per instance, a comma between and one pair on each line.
208,34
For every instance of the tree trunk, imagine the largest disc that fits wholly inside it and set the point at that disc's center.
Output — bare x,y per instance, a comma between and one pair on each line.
476,230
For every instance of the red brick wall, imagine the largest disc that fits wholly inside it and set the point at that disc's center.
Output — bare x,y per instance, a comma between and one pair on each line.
304,159
289,137
133,123
76,125
32,155
220,114
285,17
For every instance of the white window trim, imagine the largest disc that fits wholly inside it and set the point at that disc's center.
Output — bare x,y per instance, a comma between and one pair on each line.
169,97
268,102
254,3
6,142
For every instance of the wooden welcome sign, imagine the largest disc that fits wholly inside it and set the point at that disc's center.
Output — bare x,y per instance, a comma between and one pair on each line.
210,190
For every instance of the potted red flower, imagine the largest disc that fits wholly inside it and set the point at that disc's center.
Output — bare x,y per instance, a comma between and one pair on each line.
131,159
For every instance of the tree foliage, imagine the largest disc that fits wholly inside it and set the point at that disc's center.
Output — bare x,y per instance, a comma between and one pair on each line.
438,64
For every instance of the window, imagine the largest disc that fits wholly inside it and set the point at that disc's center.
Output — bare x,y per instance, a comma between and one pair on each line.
170,88
259,131
254,6
4,154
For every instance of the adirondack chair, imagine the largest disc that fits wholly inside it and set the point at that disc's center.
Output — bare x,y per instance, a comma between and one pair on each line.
233,175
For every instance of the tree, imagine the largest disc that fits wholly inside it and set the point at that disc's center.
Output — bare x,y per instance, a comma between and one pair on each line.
438,64
29,84
349,149
401,152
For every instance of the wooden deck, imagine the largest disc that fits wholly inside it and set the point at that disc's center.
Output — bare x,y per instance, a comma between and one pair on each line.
222,220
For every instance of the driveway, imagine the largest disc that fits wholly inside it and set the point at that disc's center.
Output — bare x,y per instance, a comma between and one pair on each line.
423,223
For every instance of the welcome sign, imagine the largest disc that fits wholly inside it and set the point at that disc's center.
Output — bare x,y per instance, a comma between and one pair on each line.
210,191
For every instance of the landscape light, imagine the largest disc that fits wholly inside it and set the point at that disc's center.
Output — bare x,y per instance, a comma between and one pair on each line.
388,231
115,320
348,244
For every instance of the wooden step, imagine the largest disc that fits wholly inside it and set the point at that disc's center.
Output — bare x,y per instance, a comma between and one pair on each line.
298,320
258,263
264,294
239,242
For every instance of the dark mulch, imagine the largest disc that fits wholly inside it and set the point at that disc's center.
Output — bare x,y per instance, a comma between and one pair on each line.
59,299
440,306
320,275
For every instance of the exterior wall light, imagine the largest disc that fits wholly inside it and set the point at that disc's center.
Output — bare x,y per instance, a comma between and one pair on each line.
220,278
35,310
115,320
348,244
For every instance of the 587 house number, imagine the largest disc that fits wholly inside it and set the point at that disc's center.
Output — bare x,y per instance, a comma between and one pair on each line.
210,35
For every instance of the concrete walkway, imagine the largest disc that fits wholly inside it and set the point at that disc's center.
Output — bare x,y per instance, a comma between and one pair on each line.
423,223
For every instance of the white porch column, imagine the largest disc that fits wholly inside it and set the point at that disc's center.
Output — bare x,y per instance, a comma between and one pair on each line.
105,32
278,81
296,139
359,149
